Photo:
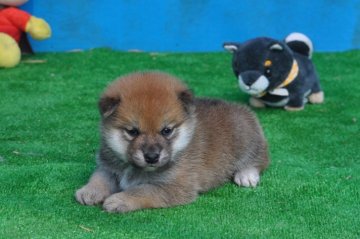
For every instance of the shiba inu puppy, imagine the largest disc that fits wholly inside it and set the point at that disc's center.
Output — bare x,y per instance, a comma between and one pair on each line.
161,147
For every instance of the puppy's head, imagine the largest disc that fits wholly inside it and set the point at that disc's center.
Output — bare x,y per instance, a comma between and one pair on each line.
147,118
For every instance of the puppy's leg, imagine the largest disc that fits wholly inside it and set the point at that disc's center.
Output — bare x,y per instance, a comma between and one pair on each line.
248,177
249,167
147,196
101,185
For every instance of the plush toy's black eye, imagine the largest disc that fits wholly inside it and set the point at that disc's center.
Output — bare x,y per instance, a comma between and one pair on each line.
267,72
132,132
166,131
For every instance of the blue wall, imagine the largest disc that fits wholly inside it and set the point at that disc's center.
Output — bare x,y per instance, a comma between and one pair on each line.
194,25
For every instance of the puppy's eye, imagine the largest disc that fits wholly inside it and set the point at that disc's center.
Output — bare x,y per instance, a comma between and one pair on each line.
132,132
166,132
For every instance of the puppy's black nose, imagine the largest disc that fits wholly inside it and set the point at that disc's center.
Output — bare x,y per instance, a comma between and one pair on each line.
151,157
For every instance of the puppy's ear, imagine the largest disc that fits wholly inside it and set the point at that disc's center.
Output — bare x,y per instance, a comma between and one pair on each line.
108,105
186,98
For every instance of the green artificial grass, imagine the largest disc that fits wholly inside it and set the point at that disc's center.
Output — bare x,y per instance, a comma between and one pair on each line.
49,136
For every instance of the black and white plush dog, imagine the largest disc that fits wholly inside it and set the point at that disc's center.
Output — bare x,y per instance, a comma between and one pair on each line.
277,73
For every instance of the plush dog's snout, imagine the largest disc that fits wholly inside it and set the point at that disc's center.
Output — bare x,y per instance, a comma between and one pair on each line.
151,157
253,82
249,77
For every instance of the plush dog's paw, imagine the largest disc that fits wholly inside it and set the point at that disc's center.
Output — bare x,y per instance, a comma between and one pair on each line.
117,203
256,103
317,98
247,177
90,196
290,108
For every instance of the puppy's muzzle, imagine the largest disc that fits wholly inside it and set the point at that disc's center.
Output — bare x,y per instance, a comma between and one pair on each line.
152,154
151,158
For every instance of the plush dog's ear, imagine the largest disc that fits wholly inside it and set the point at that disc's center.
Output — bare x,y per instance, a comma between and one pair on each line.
276,47
107,105
187,100
231,46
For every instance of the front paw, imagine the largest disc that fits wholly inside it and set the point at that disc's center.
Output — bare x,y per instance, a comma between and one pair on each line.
118,202
88,195
247,177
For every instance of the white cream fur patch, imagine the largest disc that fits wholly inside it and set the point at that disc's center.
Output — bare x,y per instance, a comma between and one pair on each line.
280,92
297,36
257,87
185,133
247,177
116,142
260,84
317,98
231,47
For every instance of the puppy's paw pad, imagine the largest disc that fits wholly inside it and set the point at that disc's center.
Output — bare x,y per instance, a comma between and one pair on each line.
116,203
89,196
247,177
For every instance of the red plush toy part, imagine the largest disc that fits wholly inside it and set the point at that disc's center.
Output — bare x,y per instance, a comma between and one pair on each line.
13,22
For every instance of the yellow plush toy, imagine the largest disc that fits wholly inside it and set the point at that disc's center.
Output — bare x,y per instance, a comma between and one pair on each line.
13,22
